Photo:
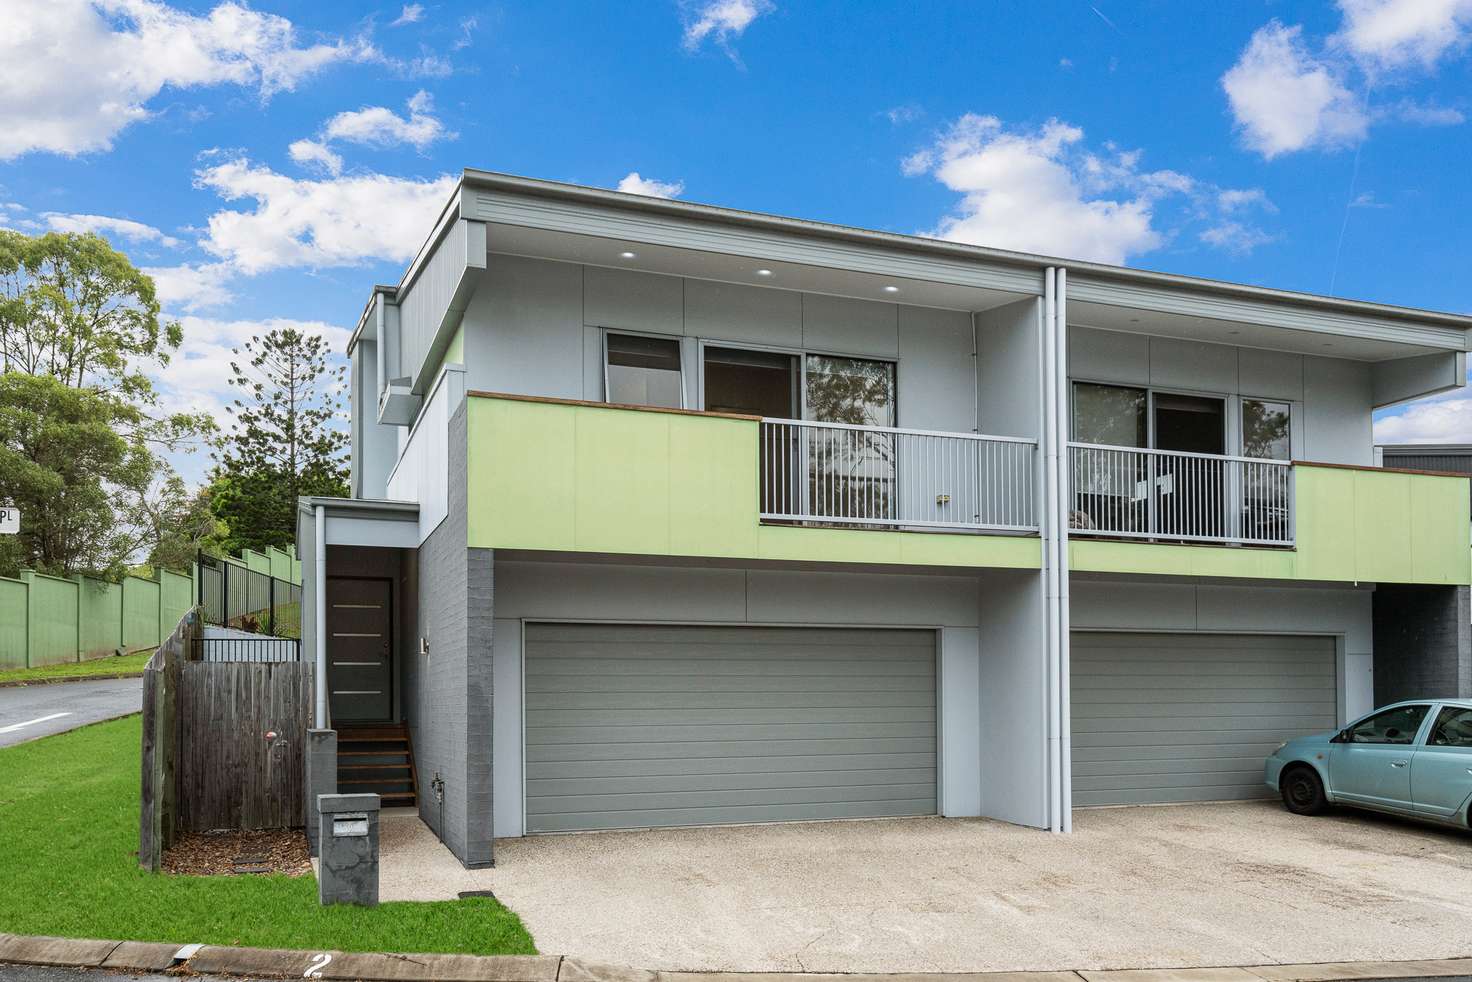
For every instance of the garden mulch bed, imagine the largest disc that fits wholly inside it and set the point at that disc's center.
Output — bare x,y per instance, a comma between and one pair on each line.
234,853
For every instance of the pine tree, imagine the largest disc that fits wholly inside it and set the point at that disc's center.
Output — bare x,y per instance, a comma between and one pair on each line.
285,441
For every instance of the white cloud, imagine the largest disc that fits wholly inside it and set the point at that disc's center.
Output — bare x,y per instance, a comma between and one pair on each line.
192,286
1441,420
1238,199
123,53
1237,238
196,378
632,183
899,115
412,13
721,20
378,126
1427,115
310,153
121,228
339,221
1285,99
1391,34
1043,191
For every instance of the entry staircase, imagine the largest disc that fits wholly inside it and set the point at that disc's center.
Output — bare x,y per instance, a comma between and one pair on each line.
377,758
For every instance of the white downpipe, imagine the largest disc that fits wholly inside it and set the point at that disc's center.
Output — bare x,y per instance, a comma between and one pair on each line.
1050,543
319,603
1065,501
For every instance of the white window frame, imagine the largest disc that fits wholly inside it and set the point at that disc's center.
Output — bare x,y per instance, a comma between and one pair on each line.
653,335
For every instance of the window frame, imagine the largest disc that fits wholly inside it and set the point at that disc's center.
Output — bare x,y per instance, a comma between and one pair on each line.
1441,711
679,342
1242,402
1232,416
801,354
1426,714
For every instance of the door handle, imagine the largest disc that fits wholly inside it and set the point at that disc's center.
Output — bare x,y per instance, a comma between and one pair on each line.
1399,763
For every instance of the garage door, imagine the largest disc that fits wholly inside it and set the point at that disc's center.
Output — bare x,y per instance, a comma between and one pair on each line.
630,726
1190,717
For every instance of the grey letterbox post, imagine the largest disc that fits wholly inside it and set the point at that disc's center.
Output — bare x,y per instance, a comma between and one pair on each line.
348,841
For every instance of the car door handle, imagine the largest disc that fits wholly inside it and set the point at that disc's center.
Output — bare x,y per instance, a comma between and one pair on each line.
1399,763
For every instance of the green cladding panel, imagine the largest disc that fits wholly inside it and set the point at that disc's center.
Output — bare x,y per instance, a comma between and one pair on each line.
577,477
1353,525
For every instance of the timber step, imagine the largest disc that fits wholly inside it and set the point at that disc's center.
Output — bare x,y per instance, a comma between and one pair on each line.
377,759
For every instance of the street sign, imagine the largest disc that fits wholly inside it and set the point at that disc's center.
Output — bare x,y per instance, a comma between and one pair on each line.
9,520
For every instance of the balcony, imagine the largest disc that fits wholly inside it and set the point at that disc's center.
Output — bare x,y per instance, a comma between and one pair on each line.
1166,495
567,476
883,477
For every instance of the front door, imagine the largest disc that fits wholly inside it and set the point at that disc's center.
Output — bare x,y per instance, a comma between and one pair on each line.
1373,766
360,649
1190,491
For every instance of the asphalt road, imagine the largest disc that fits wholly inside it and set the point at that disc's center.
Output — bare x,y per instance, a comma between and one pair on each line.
31,711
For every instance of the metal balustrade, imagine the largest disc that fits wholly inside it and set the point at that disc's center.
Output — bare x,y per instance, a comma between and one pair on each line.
841,474
1127,492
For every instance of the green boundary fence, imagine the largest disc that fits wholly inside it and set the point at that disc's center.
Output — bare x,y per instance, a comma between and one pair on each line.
46,620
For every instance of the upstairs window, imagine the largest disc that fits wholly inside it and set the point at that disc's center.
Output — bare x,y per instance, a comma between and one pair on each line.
643,371
1267,430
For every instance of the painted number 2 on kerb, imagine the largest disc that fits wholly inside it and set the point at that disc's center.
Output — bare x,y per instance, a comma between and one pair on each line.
9,520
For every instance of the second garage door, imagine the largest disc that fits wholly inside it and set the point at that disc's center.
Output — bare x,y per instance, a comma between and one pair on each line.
1191,717
635,726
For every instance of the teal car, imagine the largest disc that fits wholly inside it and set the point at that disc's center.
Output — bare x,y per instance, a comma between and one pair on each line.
1412,759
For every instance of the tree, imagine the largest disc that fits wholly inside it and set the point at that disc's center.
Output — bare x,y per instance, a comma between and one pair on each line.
66,456
285,441
176,524
75,308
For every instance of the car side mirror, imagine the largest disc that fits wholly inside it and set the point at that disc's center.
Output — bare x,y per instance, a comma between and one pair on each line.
1341,737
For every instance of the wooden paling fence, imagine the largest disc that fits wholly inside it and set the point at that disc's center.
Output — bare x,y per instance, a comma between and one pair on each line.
222,743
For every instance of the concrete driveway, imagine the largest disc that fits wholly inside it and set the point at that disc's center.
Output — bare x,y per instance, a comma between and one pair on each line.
1235,884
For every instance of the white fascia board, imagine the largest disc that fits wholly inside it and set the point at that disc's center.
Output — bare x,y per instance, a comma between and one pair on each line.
768,245
1281,311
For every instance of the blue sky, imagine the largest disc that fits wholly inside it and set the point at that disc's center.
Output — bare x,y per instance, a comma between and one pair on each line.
270,162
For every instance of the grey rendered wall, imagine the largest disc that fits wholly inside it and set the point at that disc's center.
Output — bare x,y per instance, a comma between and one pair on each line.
534,328
1333,396
1181,606
653,594
375,447
1423,643
447,690
1013,693
1009,369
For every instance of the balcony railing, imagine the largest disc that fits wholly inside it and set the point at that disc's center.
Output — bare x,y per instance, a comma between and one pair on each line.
839,474
1125,492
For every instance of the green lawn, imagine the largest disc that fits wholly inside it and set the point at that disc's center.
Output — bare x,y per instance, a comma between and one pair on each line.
91,669
68,837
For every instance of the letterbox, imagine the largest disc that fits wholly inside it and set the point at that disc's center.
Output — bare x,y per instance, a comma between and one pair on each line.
348,841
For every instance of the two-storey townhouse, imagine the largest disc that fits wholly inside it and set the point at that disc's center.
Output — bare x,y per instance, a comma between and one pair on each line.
666,514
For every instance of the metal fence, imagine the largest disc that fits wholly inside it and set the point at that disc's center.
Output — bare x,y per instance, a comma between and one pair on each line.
840,474
234,596
1127,492
260,650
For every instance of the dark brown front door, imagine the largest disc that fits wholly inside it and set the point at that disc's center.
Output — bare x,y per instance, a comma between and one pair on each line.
360,649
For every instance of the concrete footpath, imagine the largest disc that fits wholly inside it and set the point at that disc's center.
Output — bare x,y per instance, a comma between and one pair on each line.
265,963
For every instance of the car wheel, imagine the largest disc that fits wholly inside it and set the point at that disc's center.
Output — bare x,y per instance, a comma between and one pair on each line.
1303,792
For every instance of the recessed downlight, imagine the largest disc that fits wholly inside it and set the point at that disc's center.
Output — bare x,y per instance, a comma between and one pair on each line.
891,289
628,255
764,272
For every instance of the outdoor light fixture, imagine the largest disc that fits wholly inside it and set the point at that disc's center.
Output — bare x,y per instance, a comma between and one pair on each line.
627,255
891,289
764,272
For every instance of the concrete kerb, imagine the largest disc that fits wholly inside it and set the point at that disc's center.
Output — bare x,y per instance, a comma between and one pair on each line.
338,966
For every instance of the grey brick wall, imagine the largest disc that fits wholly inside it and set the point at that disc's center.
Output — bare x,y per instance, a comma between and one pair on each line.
447,693
1423,642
